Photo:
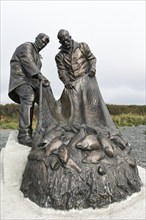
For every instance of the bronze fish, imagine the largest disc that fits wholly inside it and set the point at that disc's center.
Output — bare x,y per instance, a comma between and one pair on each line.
66,138
119,141
63,154
107,147
94,157
53,133
72,165
78,137
52,146
54,163
90,142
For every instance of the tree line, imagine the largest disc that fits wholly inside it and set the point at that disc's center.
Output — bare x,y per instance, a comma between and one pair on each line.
12,110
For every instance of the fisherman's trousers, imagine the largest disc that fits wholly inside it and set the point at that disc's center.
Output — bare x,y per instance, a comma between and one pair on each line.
28,96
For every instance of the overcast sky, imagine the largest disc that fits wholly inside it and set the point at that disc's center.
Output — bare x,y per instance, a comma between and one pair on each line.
114,31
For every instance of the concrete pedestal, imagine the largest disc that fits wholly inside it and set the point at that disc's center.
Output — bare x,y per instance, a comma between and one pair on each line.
14,206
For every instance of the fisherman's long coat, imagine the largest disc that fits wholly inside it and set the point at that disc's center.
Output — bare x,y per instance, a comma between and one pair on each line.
83,104
24,65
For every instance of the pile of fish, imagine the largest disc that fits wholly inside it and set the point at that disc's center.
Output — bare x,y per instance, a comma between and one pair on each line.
75,167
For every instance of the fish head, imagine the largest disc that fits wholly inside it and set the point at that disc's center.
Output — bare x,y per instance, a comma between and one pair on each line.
63,154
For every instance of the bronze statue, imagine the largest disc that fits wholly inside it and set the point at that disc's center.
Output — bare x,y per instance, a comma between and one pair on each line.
77,68
24,83
78,158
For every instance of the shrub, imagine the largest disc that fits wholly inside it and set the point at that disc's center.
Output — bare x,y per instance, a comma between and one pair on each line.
129,120
122,115
126,109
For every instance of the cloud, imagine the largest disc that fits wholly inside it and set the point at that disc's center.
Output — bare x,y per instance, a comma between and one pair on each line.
123,96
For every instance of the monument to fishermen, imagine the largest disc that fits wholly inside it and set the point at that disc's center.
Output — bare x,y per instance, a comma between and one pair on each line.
78,158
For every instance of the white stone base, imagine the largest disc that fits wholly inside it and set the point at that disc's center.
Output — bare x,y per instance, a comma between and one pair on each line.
14,206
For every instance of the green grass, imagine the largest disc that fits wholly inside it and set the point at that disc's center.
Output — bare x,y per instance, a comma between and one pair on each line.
121,120
129,120
12,122
8,123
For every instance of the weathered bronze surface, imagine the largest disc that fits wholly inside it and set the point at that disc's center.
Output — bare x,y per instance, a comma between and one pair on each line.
25,66
78,158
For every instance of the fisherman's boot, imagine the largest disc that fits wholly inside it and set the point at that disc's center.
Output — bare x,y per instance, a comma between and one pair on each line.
26,140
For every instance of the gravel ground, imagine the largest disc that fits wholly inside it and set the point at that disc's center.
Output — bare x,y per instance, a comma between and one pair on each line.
136,136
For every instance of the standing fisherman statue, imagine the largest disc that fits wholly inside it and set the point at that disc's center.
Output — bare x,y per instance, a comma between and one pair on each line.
24,83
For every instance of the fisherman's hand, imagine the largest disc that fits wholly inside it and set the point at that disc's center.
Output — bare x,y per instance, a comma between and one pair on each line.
69,86
44,80
46,83
91,74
